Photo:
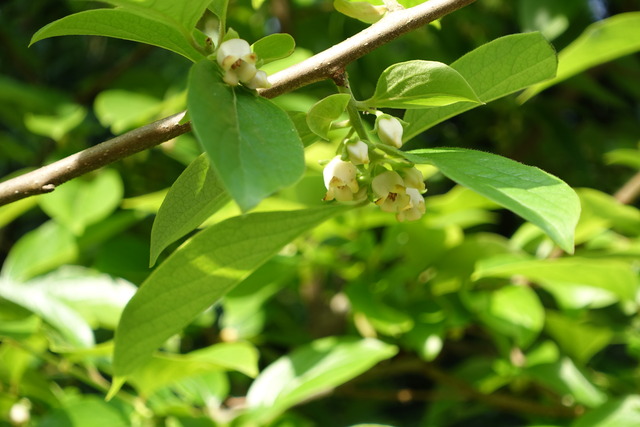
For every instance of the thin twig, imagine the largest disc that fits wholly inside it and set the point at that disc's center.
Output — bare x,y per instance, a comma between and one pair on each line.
319,67
630,191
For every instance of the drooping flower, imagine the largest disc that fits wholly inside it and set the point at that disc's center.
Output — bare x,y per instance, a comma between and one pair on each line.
260,80
390,192
358,152
340,180
413,178
415,209
238,63
389,130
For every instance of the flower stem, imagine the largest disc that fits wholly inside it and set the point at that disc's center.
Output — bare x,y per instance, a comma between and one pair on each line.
352,109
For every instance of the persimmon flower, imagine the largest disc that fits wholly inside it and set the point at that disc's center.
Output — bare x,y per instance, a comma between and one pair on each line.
358,152
390,191
413,178
340,180
239,64
389,130
415,209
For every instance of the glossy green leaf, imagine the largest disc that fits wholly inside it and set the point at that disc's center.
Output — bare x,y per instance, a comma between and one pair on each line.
514,311
535,195
601,42
613,276
205,389
82,411
79,203
167,370
385,319
194,196
57,124
419,84
566,379
121,24
198,274
312,369
122,110
39,251
624,156
622,412
613,213
299,120
495,69
325,111
274,47
577,339
253,145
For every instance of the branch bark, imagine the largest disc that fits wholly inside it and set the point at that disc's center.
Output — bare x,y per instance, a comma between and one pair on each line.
322,66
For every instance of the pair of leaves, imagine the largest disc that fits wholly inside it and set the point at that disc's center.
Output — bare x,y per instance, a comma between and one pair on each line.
168,24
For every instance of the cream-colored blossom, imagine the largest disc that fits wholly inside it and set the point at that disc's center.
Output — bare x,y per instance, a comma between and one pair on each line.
415,209
260,80
413,178
340,180
390,191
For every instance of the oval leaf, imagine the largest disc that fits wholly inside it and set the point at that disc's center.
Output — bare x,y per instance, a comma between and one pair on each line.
419,84
194,196
325,111
253,145
312,369
495,69
198,274
120,24
535,195
274,47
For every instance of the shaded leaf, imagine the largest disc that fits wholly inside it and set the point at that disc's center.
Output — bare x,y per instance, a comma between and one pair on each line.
325,111
194,196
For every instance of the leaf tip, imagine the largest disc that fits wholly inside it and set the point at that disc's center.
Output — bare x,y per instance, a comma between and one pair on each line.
116,385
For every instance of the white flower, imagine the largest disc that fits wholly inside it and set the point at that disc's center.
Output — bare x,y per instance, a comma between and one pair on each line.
358,152
340,180
260,80
238,62
415,209
389,130
413,178
391,192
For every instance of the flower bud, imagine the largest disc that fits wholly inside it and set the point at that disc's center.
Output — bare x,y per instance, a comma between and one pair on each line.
413,178
358,152
260,80
389,130
340,180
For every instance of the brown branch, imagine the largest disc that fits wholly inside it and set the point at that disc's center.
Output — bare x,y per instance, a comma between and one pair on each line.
319,67
630,191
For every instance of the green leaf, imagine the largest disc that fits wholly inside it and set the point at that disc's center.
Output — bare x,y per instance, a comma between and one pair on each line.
496,69
253,145
167,370
312,369
85,411
579,340
515,311
361,10
566,379
184,14
325,111
274,47
624,156
613,276
194,196
79,203
122,110
622,412
601,42
299,120
385,319
535,195
41,300
40,251
419,84
198,274
121,24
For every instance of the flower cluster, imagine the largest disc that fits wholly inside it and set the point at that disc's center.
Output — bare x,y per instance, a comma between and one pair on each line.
239,65
397,191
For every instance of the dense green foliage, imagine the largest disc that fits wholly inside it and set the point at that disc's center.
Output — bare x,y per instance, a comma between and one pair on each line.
514,300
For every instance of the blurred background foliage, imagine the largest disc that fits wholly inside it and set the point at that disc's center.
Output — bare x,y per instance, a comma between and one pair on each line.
480,321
